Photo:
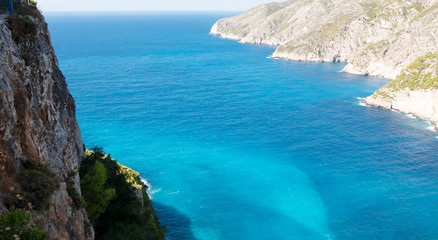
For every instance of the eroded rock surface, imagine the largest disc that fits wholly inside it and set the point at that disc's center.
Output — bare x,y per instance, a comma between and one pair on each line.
37,122
378,37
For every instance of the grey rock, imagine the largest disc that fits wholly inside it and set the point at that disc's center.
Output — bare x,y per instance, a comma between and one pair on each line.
378,37
38,122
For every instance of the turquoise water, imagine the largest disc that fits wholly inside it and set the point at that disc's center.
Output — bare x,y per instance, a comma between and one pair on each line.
240,146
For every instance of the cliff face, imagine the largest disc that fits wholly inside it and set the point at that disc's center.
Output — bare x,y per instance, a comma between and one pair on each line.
414,91
37,122
377,37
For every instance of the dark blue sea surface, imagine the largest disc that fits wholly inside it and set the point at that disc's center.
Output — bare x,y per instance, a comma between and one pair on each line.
240,146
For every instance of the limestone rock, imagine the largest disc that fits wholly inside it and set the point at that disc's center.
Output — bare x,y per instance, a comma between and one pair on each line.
375,37
414,91
37,122
422,104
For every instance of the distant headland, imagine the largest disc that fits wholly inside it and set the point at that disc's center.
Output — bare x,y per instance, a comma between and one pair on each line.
390,39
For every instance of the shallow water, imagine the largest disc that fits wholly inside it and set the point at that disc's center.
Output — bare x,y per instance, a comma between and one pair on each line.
240,146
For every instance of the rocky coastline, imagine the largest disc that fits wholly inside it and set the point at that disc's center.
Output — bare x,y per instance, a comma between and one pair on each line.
41,149
377,38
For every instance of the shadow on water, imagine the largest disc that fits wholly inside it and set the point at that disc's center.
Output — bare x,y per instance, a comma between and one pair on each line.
177,224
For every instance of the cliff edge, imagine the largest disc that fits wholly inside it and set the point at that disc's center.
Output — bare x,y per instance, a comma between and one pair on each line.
43,165
414,91
377,37
38,123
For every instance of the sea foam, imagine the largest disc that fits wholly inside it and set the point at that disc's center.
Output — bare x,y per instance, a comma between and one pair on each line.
431,128
361,102
149,189
410,115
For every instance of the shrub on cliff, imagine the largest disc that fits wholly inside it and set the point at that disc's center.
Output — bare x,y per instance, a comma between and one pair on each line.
126,216
78,200
21,27
37,183
16,225
30,10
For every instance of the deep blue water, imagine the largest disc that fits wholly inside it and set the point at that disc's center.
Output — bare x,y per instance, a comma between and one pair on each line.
240,146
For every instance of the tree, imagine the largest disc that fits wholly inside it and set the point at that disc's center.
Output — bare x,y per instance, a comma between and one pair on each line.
94,192
15,225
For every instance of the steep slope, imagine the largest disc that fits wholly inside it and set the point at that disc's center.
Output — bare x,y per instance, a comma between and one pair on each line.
37,122
414,91
130,214
377,37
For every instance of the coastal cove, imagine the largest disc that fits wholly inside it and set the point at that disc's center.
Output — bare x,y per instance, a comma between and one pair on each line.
395,40
240,146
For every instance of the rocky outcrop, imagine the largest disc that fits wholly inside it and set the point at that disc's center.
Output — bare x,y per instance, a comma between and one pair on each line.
414,92
377,37
422,104
37,122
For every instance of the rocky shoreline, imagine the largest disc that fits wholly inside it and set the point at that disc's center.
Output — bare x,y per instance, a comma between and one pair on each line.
380,39
40,137
413,103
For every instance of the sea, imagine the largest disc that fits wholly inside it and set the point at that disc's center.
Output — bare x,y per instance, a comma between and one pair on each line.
236,145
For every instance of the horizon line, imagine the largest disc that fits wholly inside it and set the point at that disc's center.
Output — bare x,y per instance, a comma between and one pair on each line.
141,11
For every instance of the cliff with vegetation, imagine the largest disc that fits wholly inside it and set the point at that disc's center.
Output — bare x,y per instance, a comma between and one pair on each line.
40,141
41,152
414,91
116,200
377,37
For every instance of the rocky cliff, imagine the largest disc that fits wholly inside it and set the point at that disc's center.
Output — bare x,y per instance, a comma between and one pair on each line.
38,123
414,91
375,37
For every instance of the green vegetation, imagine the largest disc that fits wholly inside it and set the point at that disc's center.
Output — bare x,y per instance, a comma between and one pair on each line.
376,47
28,11
22,28
37,183
124,215
371,8
96,195
425,12
383,94
419,75
24,10
271,8
418,6
132,177
78,200
16,225
283,48
21,24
